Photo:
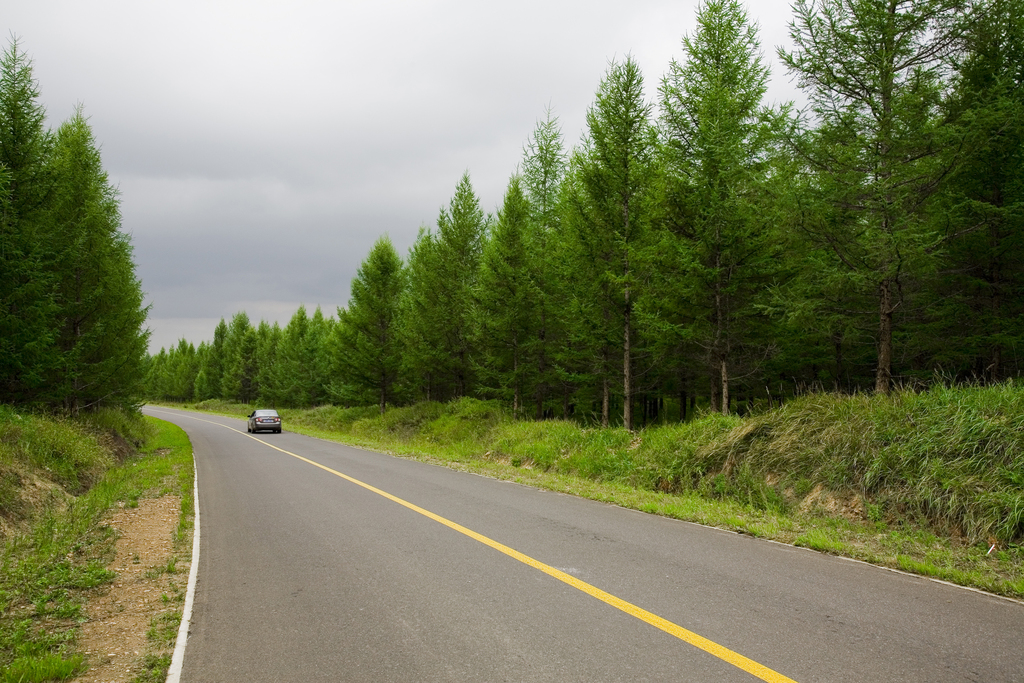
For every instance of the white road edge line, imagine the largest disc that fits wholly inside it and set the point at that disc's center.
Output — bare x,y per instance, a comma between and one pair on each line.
178,658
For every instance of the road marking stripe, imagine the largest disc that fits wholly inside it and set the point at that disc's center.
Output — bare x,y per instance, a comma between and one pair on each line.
698,641
178,656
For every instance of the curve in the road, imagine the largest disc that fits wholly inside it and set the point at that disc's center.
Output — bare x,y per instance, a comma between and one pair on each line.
725,654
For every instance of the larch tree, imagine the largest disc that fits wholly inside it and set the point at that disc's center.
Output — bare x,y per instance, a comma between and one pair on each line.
419,312
268,342
875,142
238,382
508,302
367,343
28,351
980,298
101,333
214,364
438,308
609,214
718,138
543,169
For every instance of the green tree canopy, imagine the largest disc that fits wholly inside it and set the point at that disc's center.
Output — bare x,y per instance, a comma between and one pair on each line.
368,347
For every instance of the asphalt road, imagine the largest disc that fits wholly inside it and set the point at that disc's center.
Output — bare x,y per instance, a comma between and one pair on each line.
305,574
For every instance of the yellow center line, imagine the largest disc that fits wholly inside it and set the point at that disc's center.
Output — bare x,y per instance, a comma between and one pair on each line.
698,641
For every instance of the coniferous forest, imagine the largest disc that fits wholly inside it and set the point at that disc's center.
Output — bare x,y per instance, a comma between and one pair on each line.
701,250
72,320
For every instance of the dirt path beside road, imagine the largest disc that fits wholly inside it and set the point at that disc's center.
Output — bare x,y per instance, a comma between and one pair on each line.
146,595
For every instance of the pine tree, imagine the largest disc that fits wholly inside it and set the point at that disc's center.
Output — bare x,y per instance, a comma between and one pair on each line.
718,137
609,215
508,302
101,316
544,167
874,73
368,347
28,353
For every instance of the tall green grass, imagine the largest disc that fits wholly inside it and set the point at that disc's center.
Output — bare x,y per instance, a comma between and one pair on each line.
59,550
63,451
951,458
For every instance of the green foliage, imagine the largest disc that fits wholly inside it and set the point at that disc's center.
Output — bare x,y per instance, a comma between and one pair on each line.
238,381
366,342
301,360
72,318
732,258
28,307
820,540
975,322
721,248
56,446
543,170
877,146
949,455
102,338
608,213
155,667
508,303
48,667
437,310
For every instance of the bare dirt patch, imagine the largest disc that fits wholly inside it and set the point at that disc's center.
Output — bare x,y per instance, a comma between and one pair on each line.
148,587
821,500
22,493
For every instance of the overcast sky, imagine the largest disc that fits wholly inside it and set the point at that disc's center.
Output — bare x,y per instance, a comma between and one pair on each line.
261,148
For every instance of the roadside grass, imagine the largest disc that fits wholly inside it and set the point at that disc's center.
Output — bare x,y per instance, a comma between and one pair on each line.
927,482
57,549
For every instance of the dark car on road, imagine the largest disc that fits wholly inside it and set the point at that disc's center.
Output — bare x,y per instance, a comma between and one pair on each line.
264,420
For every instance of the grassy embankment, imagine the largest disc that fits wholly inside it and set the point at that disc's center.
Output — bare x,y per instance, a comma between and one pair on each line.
930,483
58,480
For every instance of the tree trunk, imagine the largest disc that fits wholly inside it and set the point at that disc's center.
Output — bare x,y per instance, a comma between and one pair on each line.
627,369
515,383
994,370
837,346
725,389
541,365
883,377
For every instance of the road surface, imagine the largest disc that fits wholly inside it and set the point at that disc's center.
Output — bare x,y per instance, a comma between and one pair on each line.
321,562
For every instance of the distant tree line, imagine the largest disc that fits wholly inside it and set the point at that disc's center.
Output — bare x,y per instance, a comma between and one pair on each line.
72,319
704,247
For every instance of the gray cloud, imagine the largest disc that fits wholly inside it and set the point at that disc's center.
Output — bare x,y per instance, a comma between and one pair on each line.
262,147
